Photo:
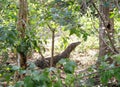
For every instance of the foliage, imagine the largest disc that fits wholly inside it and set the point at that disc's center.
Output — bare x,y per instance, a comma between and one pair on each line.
6,73
68,66
66,16
48,77
63,75
111,70
106,72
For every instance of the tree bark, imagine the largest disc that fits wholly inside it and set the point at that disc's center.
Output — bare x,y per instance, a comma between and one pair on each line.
106,31
21,26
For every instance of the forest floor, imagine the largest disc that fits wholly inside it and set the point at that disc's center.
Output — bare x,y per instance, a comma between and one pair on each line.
84,58
85,55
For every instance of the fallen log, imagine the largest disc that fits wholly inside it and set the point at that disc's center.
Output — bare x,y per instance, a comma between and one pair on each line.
43,63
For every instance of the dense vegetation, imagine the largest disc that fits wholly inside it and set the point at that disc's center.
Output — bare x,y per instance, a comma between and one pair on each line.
28,27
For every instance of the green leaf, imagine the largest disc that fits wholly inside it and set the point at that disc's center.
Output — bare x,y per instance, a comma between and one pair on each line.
19,84
112,14
22,71
69,67
106,3
105,76
52,69
69,79
36,78
73,31
117,74
15,68
58,83
116,58
62,61
28,82
31,66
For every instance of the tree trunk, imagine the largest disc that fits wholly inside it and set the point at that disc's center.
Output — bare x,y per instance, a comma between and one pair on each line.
106,31
21,26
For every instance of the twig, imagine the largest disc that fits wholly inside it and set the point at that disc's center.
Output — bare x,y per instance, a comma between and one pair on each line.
52,49
52,53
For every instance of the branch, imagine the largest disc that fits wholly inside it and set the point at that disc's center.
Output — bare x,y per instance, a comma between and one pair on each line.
52,50
53,40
